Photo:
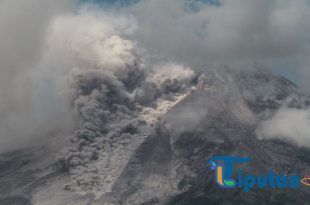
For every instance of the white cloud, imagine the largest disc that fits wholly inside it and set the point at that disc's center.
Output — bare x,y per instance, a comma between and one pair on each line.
270,32
291,125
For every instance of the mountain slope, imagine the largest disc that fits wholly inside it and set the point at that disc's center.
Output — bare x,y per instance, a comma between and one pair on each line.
220,117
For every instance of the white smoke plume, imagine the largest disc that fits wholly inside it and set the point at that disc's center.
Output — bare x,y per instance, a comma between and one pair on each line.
188,117
288,124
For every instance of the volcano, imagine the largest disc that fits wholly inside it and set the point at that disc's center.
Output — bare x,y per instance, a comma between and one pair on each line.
221,116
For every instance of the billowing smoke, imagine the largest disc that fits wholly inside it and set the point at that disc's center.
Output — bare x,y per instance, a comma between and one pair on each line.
163,80
115,92
288,124
195,33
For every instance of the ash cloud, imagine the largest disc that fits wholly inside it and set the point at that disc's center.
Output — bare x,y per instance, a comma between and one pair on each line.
22,31
163,81
115,92
192,33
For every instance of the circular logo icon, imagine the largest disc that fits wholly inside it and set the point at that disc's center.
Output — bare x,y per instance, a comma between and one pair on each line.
304,180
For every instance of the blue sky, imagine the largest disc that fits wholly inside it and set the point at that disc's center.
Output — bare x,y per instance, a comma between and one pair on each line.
289,73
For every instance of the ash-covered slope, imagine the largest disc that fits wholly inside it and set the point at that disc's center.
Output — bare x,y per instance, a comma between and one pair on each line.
219,118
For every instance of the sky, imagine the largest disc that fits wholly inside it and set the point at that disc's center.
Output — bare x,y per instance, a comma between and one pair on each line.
273,33
289,73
